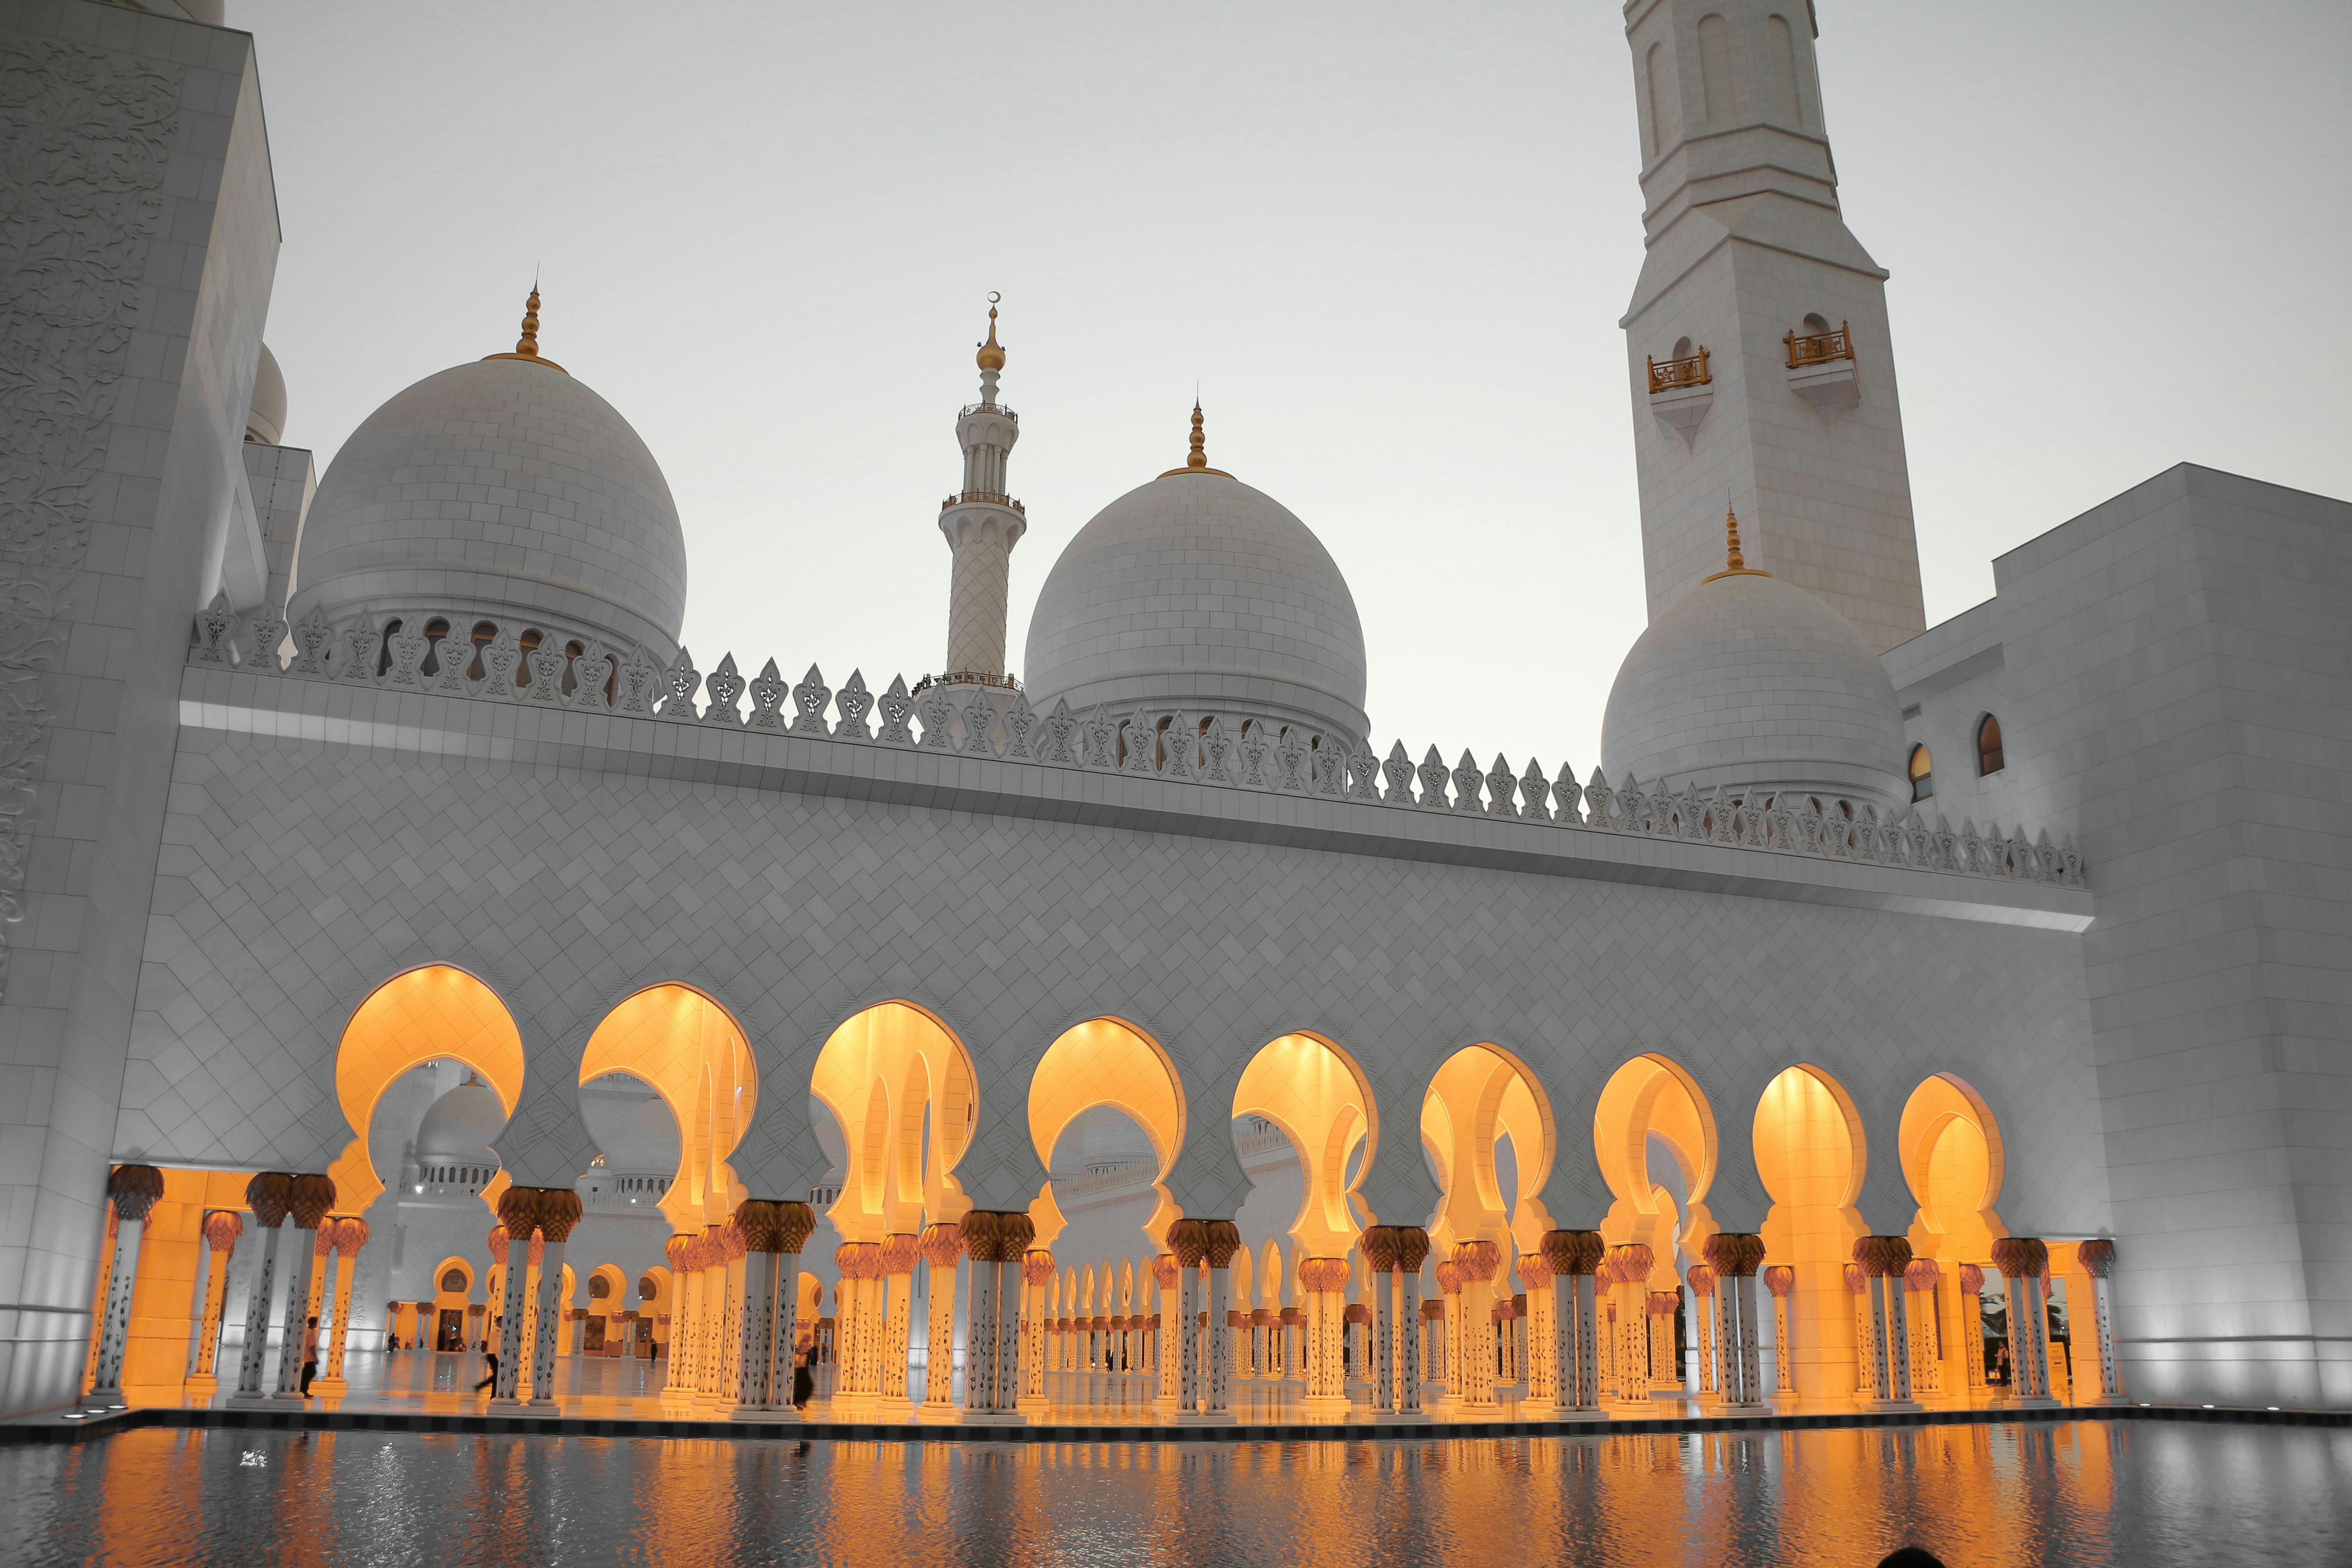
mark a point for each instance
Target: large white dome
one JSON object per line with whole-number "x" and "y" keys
{"x": 1749, "y": 682}
{"x": 461, "y": 1123}
{"x": 1197, "y": 591}
{"x": 506, "y": 490}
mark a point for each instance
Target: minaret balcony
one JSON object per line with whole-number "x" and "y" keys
{"x": 1689, "y": 371}
{"x": 1819, "y": 348}
{"x": 1822, "y": 370}
{"x": 1681, "y": 391}
{"x": 983, "y": 498}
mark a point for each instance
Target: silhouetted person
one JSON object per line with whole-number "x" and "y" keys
{"x": 310, "y": 1355}
{"x": 490, "y": 1382}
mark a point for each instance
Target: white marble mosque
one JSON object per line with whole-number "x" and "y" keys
{"x": 1890, "y": 1015}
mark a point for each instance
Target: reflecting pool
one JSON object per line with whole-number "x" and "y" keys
{"x": 2075, "y": 1492}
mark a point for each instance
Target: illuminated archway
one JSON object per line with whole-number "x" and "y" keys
{"x": 1652, "y": 1105}
{"x": 900, "y": 1088}
{"x": 437, "y": 1013}
{"x": 1319, "y": 1098}
{"x": 1106, "y": 1062}
{"x": 686, "y": 1047}
{"x": 608, "y": 1295}
{"x": 1478, "y": 1098}
{"x": 1952, "y": 1160}
{"x": 1811, "y": 1155}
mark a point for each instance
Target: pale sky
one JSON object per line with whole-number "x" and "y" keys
{"x": 1390, "y": 243}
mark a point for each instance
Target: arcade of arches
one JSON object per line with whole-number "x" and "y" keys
{"x": 916, "y": 1305}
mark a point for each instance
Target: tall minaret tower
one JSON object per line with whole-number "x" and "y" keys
{"x": 1763, "y": 375}
{"x": 983, "y": 523}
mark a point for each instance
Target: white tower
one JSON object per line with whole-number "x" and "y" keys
{"x": 1763, "y": 379}
{"x": 983, "y": 523}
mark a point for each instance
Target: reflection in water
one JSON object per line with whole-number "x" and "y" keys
{"x": 2072, "y": 1492}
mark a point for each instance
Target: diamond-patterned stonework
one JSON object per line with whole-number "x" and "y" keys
{"x": 569, "y": 859}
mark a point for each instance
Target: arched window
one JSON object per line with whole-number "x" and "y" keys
{"x": 1715, "y": 66}
{"x": 1815, "y": 324}
{"x": 1989, "y": 757}
{"x": 1781, "y": 67}
{"x": 1923, "y": 776}
{"x": 1655, "y": 68}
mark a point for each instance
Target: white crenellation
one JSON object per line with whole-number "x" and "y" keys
{"x": 1177, "y": 747}
{"x": 768, "y": 694}
{"x": 896, "y": 705}
{"x": 724, "y": 685}
{"x": 852, "y": 703}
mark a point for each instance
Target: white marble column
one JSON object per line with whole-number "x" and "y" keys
{"x": 134, "y": 1190}
{"x": 309, "y": 1198}
{"x": 557, "y": 1212}
{"x": 270, "y": 1194}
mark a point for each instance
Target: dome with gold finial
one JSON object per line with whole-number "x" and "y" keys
{"x": 1751, "y": 683}
{"x": 502, "y": 489}
{"x": 1198, "y": 592}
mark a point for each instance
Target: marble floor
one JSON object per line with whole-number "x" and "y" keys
{"x": 597, "y": 1387}
{"x": 2062, "y": 1494}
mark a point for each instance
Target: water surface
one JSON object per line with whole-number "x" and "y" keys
{"x": 2063, "y": 1494}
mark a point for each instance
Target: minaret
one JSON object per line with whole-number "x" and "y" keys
{"x": 983, "y": 523}
{"x": 1762, "y": 371}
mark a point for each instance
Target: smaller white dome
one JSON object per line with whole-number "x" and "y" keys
{"x": 1749, "y": 682}
{"x": 461, "y": 1123}
{"x": 266, "y": 421}
{"x": 1198, "y": 592}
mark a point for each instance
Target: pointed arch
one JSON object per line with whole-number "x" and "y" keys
{"x": 1320, "y": 1098}
{"x": 689, "y": 1050}
{"x": 1479, "y": 1096}
{"x": 436, "y": 1012}
{"x": 868, "y": 1076}
{"x": 1654, "y": 1100}
{"x": 1954, "y": 1164}
{"x": 1812, "y": 1156}
{"x": 1106, "y": 1061}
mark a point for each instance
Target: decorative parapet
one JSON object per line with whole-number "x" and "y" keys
{"x": 1689, "y": 371}
{"x": 1818, "y": 348}
{"x": 1202, "y": 750}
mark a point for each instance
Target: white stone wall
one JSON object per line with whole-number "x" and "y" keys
{"x": 132, "y": 146}
{"x": 2171, "y": 677}
{"x": 569, "y": 859}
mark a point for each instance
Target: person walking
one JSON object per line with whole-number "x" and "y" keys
{"x": 490, "y": 1380}
{"x": 310, "y": 1355}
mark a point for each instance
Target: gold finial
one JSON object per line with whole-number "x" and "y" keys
{"x": 1734, "y": 563}
{"x": 1197, "y": 461}
{"x": 992, "y": 357}
{"x": 527, "y": 346}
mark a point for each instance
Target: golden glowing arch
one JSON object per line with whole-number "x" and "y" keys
{"x": 887, "y": 1073}
{"x": 1811, "y": 1155}
{"x": 1953, "y": 1163}
{"x": 689, "y": 1050}
{"x": 435, "y": 1013}
{"x": 1480, "y": 1095}
{"x": 1106, "y": 1061}
{"x": 1653, "y": 1096}
{"x": 1320, "y": 1099}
